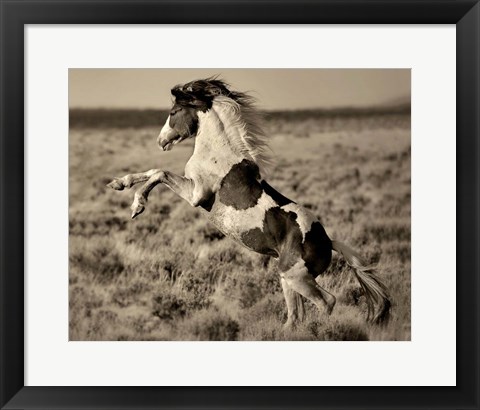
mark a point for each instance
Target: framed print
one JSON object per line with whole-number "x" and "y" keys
{"x": 198, "y": 285}
{"x": 141, "y": 298}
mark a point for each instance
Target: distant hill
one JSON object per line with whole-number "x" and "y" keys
{"x": 115, "y": 118}
{"x": 398, "y": 102}
{"x": 131, "y": 118}
{"x": 317, "y": 113}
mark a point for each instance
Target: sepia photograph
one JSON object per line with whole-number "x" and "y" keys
{"x": 239, "y": 204}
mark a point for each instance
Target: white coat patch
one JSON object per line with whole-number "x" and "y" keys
{"x": 234, "y": 222}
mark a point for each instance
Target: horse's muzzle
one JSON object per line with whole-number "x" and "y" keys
{"x": 165, "y": 145}
{"x": 167, "y": 137}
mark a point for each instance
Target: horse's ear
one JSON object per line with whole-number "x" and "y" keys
{"x": 175, "y": 91}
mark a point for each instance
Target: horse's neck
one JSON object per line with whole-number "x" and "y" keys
{"x": 216, "y": 151}
{"x": 216, "y": 144}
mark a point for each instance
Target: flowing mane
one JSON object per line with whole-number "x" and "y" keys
{"x": 245, "y": 117}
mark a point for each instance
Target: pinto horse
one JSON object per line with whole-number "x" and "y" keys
{"x": 223, "y": 178}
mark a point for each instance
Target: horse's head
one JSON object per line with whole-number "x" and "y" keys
{"x": 190, "y": 99}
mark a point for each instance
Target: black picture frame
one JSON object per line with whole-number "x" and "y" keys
{"x": 15, "y": 14}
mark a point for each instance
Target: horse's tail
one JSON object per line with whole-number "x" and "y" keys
{"x": 375, "y": 291}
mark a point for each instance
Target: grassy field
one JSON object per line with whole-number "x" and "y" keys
{"x": 169, "y": 275}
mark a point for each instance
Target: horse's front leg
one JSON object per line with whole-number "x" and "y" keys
{"x": 129, "y": 180}
{"x": 183, "y": 187}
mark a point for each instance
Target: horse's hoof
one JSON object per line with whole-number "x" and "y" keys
{"x": 137, "y": 207}
{"x": 116, "y": 184}
{"x": 137, "y": 211}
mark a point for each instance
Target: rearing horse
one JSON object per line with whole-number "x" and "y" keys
{"x": 223, "y": 177}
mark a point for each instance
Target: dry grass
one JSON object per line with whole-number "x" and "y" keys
{"x": 169, "y": 275}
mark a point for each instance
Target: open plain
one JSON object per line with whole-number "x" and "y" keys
{"x": 169, "y": 275}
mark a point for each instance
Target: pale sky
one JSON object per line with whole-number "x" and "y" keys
{"x": 274, "y": 88}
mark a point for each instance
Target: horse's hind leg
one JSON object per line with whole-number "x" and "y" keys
{"x": 129, "y": 180}
{"x": 298, "y": 279}
{"x": 295, "y": 308}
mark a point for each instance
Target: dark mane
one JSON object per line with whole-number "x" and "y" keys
{"x": 205, "y": 90}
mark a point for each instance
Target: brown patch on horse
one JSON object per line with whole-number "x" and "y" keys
{"x": 280, "y": 232}
{"x": 317, "y": 250}
{"x": 240, "y": 188}
{"x": 257, "y": 241}
{"x": 184, "y": 120}
{"x": 281, "y": 237}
